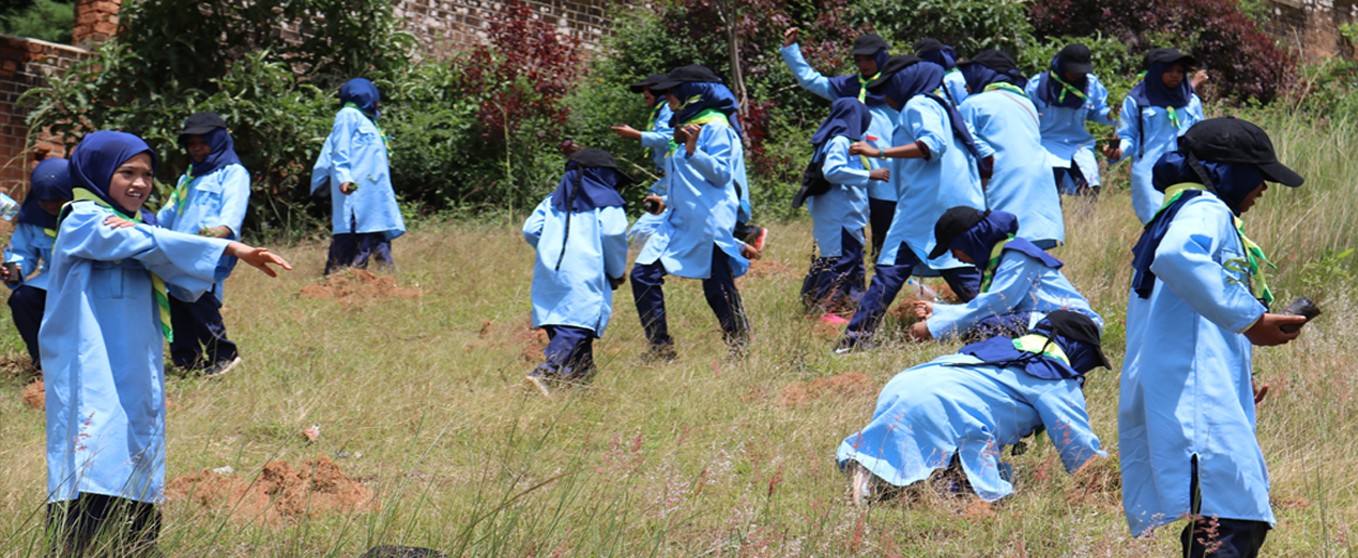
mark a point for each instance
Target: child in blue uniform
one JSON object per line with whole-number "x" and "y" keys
{"x": 835, "y": 282}
{"x": 1186, "y": 410}
{"x": 30, "y": 250}
{"x": 656, "y": 138}
{"x": 209, "y": 200}
{"x": 1006, "y": 126}
{"x": 352, "y": 169}
{"x": 933, "y": 168}
{"x": 1066, "y": 96}
{"x": 870, "y": 53}
{"x": 107, "y": 297}
{"x": 1159, "y": 109}
{"x": 1020, "y": 284}
{"x": 580, "y": 234}
{"x": 697, "y": 240}
{"x": 962, "y": 410}
{"x": 954, "y": 85}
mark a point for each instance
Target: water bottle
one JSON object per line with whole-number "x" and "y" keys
{"x": 8, "y": 207}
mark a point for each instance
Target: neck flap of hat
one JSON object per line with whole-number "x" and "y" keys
{"x": 848, "y": 118}
{"x": 697, "y": 96}
{"x": 223, "y": 153}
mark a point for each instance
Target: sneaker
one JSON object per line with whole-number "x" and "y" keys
{"x": 539, "y": 381}
{"x": 220, "y": 367}
{"x": 756, "y": 238}
{"x": 852, "y": 344}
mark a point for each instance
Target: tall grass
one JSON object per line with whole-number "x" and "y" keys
{"x": 703, "y": 456}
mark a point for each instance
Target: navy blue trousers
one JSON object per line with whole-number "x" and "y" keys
{"x": 838, "y": 282}
{"x": 1211, "y": 537}
{"x": 719, "y": 289}
{"x": 26, "y": 305}
{"x": 199, "y": 334}
{"x": 355, "y": 249}
{"x": 880, "y": 214}
{"x": 887, "y": 283}
{"x": 115, "y": 526}
{"x": 569, "y": 352}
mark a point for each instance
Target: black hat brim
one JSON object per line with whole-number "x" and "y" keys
{"x": 1279, "y": 173}
{"x": 1078, "y": 67}
{"x": 939, "y": 250}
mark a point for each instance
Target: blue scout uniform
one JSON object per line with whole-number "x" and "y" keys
{"x": 954, "y": 84}
{"x": 30, "y": 249}
{"x": 1006, "y": 126}
{"x": 365, "y": 221}
{"x": 1146, "y": 133}
{"x": 1022, "y": 285}
{"x": 838, "y": 216}
{"x": 656, "y": 138}
{"x": 1063, "y": 129}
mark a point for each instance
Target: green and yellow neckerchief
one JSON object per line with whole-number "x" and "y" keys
{"x": 1041, "y": 345}
{"x": 1067, "y": 88}
{"x": 1254, "y": 254}
{"x": 370, "y": 119}
{"x": 863, "y": 86}
{"x": 988, "y": 274}
{"x": 707, "y": 116}
{"x": 1006, "y": 86}
{"x": 1173, "y": 114}
{"x": 158, "y": 289}
{"x": 655, "y": 112}
{"x": 180, "y": 195}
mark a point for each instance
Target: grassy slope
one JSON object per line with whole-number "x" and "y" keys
{"x": 702, "y": 456}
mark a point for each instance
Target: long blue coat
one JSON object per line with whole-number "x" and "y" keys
{"x": 1186, "y": 388}
{"x": 356, "y": 152}
{"x": 657, "y": 139}
{"x": 577, "y": 294}
{"x": 1063, "y": 128}
{"x": 1022, "y": 283}
{"x": 217, "y": 199}
{"x": 845, "y": 206}
{"x": 1006, "y": 126}
{"x": 929, "y": 413}
{"x": 102, "y": 352}
{"x": 1147, "y": 133}
{"x": 31, "y": 247}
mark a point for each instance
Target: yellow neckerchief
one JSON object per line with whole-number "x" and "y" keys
{"x": 863, "y": 86}
{"x": 370, "y": 119}
{"x": 158, "y": 288}
{"x": 1067, "y": 88}
{"x": 707, "y": 116}
{"x": 655, "y": 113}
{"x": 1254, "y": 254}
{"x": 1041, "y": 345}
{"x": 50, "y": 232}
{"x": 181, "y": 192}
{"x": 988, "y": 274}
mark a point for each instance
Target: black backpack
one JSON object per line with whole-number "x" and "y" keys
{"x": 813, "y": 181}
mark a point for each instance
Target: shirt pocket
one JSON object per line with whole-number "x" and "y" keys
{"x": 208, "y": 194}
{"x": 106, "y": 279}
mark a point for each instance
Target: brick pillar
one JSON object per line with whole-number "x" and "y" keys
{"x": 95, "y": 21}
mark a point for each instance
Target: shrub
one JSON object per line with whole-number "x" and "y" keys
{"x": 969, "y": 25}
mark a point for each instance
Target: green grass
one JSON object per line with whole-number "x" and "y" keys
{"x": 702, "y": 456}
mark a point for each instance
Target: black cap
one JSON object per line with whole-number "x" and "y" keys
{"x": 893, "y": 65}
{"x": 200, "y": 123}
{"x": 869, "y": 44}
{"x": 595, "y": 157}
{"x": 928, "y": 44}
{"x": 1076, "y": 58}
{"x": 648, "y": 83}
{"x": 1232, "y": 140}
{"x": 994, "y": 59}
{"x": 954, "y": 222}
{"x": 685, "y": 74}
{"x": 1168, "y": 56}
{"x": 1079, "y": 328}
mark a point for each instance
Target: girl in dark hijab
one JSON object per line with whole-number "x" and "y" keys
{"x": 1066, "y": 96}
{"x": 933, "y": 50}
{"x": 30, "y": 250}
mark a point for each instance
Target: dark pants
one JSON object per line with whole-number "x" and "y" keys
{"x": 103, "y": 526}
{"x": 199, "y": 334}
{"x": 354, "y": 250}
{"x": 880, "y": 214}
{"x": 1218, "y": 537}
{"x": 836, "y": 283}
{"x": 719, "y": 289}
{"x": 1079, "y": 184}
{"x": 887, "y": 283}
{"x": 743, "y": 231}
{"x": 26, "y": 305}
{"x": 569, "y": 352}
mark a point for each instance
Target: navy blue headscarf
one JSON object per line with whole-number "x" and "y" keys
{"x": 697, "y": 96}
{"x": 1232, "y": 182}
{"x": 51, "y": 181}
{"x": 591, "y": 181}
{"x": 848, "y": 85}
{"x": 363, "y": 94}
{"x": 920, "y": 77}
{"x": 1151, "y": 90}
{"x": 990, "y": 66}
{"x": 1049, "y": 89}
{"x": 848, "y": 118}
{"x": 996, "y": 226}
{"x": 1074, "y": 333}
{"x": 98, "y": 156}
{"x": 223, "y": 152}
{"x": 933, "y": 50}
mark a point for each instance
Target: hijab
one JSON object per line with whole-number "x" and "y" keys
{"x": 907, "y": 76}
{"x": 1151, "y": 90}
{"x": 849, "y": 85}
{"x": 1076, "y": 335}
{"x": 848, "y": 118}
{"x": 363, "y": 94}
{"x": 978, "y": 242}
{"x": 990, "y": 66}
{"x": 591, "y": 181}
{"x": 933, "y": 50}
{"x": 98, "y": 156}
{"x": 51, "y": 181}
{"x": 1050, "y": 88}
{"x": 223, "y": 152}
{"x": 698, "y": 96}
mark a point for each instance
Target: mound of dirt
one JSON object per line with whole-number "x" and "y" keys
{"x": 353, "y": 286}
{"x": 35, "y": 396}
{"x": 769, "y": 268}
{"x": 281, "y": 492}
{"x": 843, "y": 386}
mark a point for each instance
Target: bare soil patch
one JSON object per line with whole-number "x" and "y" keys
{"x": 353, "y": 287}
{"x": 280, "y": 493}
{"x": 840, "y": 386}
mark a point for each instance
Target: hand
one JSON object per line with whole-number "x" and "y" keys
{"x": 689, "y": 134}
{"x": 790, "y": 36}
{"x": 348, "y": 188}
{"x": 258, "y": 257}
{"x": 5, "y": 274}
{"x": 658, "y": 203}
{"x": 919, "y": 331}
{"x": 614, "y": 283}
{"x": 864, "y": 148}
{"x": 880, "y": 175}
{"x": 1267, "y": 331}
{"x": 750, "y": 252}
{"x": 221, "y": 231}
{"x": 626, "y": 132}
{"x": 1199, "y": 77}
{"x": 118, "y": 222}
{"x": 1112, "y": 153}
{"x": 922, "y": 309}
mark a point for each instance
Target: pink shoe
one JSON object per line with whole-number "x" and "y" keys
{"x": 833, "y": 319}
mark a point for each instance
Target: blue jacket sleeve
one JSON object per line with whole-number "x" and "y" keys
{"x": 807, "y": 77}
{"x": 1187, "y": 263}
{"x": 928, "y": 123}
{"x": 839, "y": 168}
{"x": 613, "y": 229}
{"x": 1015, "y": 277}
{"x": 1099, "y": 111}
{"x": 660, "y": 133}
{"x": 978, "y": 122}
{"x": 341, "y": 146}
{"x": 713, "y": 156}
{"x": 1063, "y": 413}
{"x": 532, "y": 227}
{"x": 21, "y": 249}
{"x": 235, "y": 198}
{"x": 1129, "y": 126}
{"x": 183, "y": 260}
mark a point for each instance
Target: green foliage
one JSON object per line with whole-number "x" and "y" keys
{"x": 1328, "y": 275}
{"x": 967, "y": 25}
{"x": 49, "y": 20}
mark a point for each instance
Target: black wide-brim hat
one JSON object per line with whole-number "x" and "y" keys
{"x": 686, "y": 74}
{"x": 1168, "y": 56}
{"x": 953, "y": 223}
{"x": 869, "y": 44}
{"x": 200, "y": 123}
{"x": 893, "y": 65}
{"x": 648, "y": 83}
{"x": 595, "y": 157}
{"x": 1232, "y": 140}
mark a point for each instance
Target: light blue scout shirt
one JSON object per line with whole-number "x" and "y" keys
{"x": 657, "y": 139}
{"x": 103, "y": 350}
{"x": 845, "y": 206}
{"x": 31, "y": 247}
{"x": 577, "y": 294}
{"x": 883, "y": 116}
{"x": 1022, "y": 283}
{"x": 955, "y": 87}
{"x": 1186, "y": 386}
{"x": 930, "y": 412}
{"x": 356, "y": 152}
{"x": 928, "y": 187}
{"x": 1063, "y": 128}
{"x": 218, "y": 199}
{"x": 1005, "y": 125}
{"x": 703, "y": 204}
{"x": 1147, "y": 133}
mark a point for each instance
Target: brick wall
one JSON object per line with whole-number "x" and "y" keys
{"x": 25, "y": 63}
{"x": 1311, "y": 27}
{"x": 447, "y": 26}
